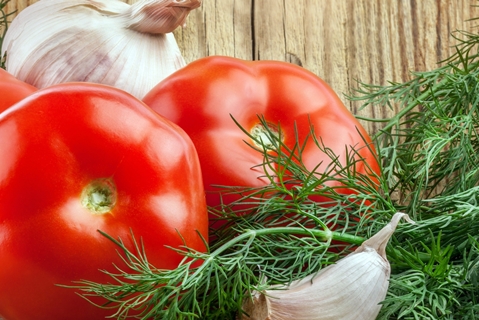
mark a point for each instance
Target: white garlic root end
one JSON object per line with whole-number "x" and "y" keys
{"x": 350, "y": 289}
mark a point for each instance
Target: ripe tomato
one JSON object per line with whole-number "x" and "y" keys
{"x": 203, "y": 96}
{"x": 77, "y": 158}
{"x": 12, "y": 90}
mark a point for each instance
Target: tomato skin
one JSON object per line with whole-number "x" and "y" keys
{"x": 202, "y": 97}
{"x": 12, "y": 90}
{"x": 54, "y": 143}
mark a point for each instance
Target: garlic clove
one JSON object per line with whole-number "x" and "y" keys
{"x": 352, "y": 288}
{"x": 100, "y": 41}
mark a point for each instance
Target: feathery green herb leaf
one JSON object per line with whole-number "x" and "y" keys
{"x": 429, "y": 153}
{"x": 4, "y": 20}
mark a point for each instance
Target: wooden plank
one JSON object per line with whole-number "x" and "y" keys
{"x": 218, "y": 27}
{"x": 342, "y": 41}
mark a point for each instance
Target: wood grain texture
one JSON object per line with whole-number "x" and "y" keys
{"x": 342, "y": 41}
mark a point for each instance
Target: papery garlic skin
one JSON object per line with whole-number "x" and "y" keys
{"x": 145, "y": 14}
{"x": 130, "y": 47}
{"x": 350, "y": 289}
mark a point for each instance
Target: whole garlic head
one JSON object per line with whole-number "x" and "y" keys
{"x": 127, "y": 46}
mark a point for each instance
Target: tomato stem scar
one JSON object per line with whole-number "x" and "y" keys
{"x": 99, "y": 196}
{"x": 262, "y": 137}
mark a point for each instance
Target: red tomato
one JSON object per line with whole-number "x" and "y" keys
{"x": 77, "y": 158}
{"x": 12, "y": 90}
{"x": 202, "y": 97}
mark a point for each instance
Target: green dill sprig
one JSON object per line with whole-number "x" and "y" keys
{"x": 429, "y": 151}
{"x": 213, "y": 290}
{"x": 440, "y": 281}
{"x": 4, "y": 21}
{"x": 431, "y": 145}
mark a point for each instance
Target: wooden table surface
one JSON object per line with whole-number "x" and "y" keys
{"x": 342, "y": 41}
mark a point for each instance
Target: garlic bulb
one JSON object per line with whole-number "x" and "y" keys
{"x": 127, "y": 46}
{"x": 352, "y": 288}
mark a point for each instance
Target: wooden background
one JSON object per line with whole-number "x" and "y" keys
{"x": 342, "y": 41}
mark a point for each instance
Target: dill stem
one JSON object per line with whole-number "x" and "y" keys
{"x": 251, "y": 234}
{"x": 321, "y": 234}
